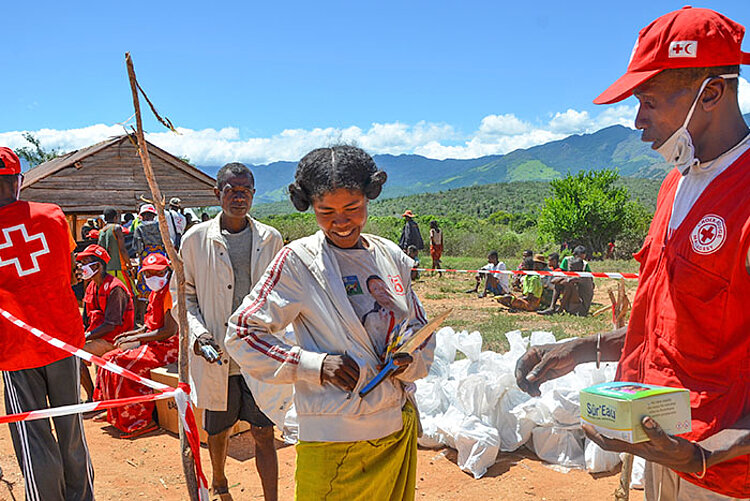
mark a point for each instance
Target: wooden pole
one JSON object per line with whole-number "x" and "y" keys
{"x": 188, "y": 465}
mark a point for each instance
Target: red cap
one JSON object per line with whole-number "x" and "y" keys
{"x": 9, "y": 162}
{"x": 96, "y": 251}
{"x": 154, "y": 262}
{"x": 685, "y": 38}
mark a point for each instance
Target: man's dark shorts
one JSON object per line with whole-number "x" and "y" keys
{"x": 240, "y": 405}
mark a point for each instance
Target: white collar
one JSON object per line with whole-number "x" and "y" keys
{"x": 702, "y": 168}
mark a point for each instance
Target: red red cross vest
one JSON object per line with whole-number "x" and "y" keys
{"x": 155, "y": 312}
{"x": 96, "y": 299}
{"x": 35, "y": 269}
{"x": 690, "y": 323}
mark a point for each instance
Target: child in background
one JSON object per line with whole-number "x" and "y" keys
{"x": 413, "y": 253}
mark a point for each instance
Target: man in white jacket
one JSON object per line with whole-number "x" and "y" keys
{"x": 224, "y": 258}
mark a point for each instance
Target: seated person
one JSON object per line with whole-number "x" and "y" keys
{"x": 413, "y": 253}
{"x": 154, "y": 345}
{"x": 580, "y": 253}
{"x": 107, "y": 307}
{"x": 531, "y": 291}
{"x": 575, "y": 293}
{"x": 553, "y": 261}
{"x": 494, "y": 283}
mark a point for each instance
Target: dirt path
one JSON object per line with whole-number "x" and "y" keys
{"x": 149, "y": 467}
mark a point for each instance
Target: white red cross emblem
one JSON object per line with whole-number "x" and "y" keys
{"x": 683, "y": 48}
{"x": 21, "y": 250}
{"x": 709, "y": 234}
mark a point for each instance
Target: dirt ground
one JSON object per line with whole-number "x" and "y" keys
{"x": 149, "y": 467}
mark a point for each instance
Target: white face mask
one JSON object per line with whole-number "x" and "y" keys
{"x": 678, "y": 149}
{"x": 157, "y": 283}
{"x": 88, "y": 271}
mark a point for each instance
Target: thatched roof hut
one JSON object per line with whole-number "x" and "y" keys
{"x": 109, "y": 174}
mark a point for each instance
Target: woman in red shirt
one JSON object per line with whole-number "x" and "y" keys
{"x": 154, "y": 345}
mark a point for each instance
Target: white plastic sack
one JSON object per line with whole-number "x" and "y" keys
{"x": 598, "y": 460}
{"x": 477, "y": 446}
{"x": 469, "y": 344}
{"x": 559, "y": 446}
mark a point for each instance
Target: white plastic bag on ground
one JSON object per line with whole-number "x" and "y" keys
{"x": 477, "y": 445}
{"x": 559, "y": 446}
{"x": 469, "y": 344}
{"x": 598, "y": 460}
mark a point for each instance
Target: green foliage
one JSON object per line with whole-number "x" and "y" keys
{"x": 35, "y": 154}
{"x": 590, "y": 209}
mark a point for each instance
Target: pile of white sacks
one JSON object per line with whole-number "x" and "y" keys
{"x": 473, "y": 405}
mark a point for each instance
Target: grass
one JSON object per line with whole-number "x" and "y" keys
{"x": 493, "y": 322}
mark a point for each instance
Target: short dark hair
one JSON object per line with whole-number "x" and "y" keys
{"x": 528, "y": 252}
{"x": 687, "y": 76}
{"x": 110, "y": 214}
{"x": 434, "y": 224}
{"x": 554, "y": 255}
{"x": 579, "y": 251}
{"x": 528, "y": 263}
{"x": 233, "y": 169}
{"x": 129, "y": 216}
{"x": 327, "y": 169}
{"x": 412, "y": 248}
{"x": 493, "y": 254}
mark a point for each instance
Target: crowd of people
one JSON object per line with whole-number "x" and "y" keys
{"x": 348, "y": 296}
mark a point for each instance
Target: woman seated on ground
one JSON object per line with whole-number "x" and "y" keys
{"x": 154, "y": 345}
{"x": 350, "y": 447}
{"x": 531, "y": 290}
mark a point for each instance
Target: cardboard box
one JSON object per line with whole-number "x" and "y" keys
{"x": 167, "y": 408}
{"x": 616, "y": 409}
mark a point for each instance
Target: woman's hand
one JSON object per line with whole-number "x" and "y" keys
{"x": 125, "y": 339}
{"x": 402, "y": 361}
{"x": 341, "y": 371}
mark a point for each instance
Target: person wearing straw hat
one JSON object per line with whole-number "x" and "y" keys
{"x": 35, "y": 286}
{"x": 410, "y": 234}
{"x": 154, "y": 345}
{"x": 690, "y": 321}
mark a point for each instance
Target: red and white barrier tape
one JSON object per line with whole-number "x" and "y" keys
{"x": 541, "y": 273}
{"x": 180, "y": 394}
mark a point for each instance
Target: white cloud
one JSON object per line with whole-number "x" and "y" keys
{"x": 744, "y": 95}
{"x": 495, "y": 134}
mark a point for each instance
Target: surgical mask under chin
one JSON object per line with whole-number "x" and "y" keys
{"x": 157, "y": 283}
{"x": 678, "y": 149}
{"x": 88, "y": 271}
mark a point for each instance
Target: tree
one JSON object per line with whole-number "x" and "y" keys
{"x": 36, "y": 155}
{"x": 589, "y": 209}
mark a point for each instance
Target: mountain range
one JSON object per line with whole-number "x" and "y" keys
{"x": 614, "y": 146}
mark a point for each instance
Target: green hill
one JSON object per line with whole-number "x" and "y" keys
{"x": 476, "y": 201}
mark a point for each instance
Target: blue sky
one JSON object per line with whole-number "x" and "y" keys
{"x": 259, "y": 82}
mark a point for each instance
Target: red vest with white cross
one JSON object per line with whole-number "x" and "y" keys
{"x": 35, "y": 268}
{"x": 690, "y": 324}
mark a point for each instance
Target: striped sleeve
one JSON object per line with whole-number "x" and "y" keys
{"x": 274, "y": 303}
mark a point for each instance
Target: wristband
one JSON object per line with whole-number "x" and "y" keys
{"x": 703, "y": 457}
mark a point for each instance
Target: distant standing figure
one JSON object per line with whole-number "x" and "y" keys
{"x": 610, "y": 250}
{"x": 410, "y": 235}
{"x": 413, "y": 253}
{"x": 436, "y": 245}
{"x": 112, "y": 239}
{"x": 176, "y": 222}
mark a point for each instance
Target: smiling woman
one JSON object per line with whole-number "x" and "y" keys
{"x": 348, "y": 295}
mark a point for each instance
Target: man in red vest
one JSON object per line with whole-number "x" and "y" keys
{"x": 108, "y": 307}
{"x": 35, "y": 286}
{"x": 690, "y": 323}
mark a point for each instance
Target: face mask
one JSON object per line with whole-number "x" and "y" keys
{"x": 157, "y": 283}
{"x": 678, "y": 150}
{"x": 88, "y": 271}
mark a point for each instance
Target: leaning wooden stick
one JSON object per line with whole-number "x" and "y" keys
{"x": 188, "y": 466}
